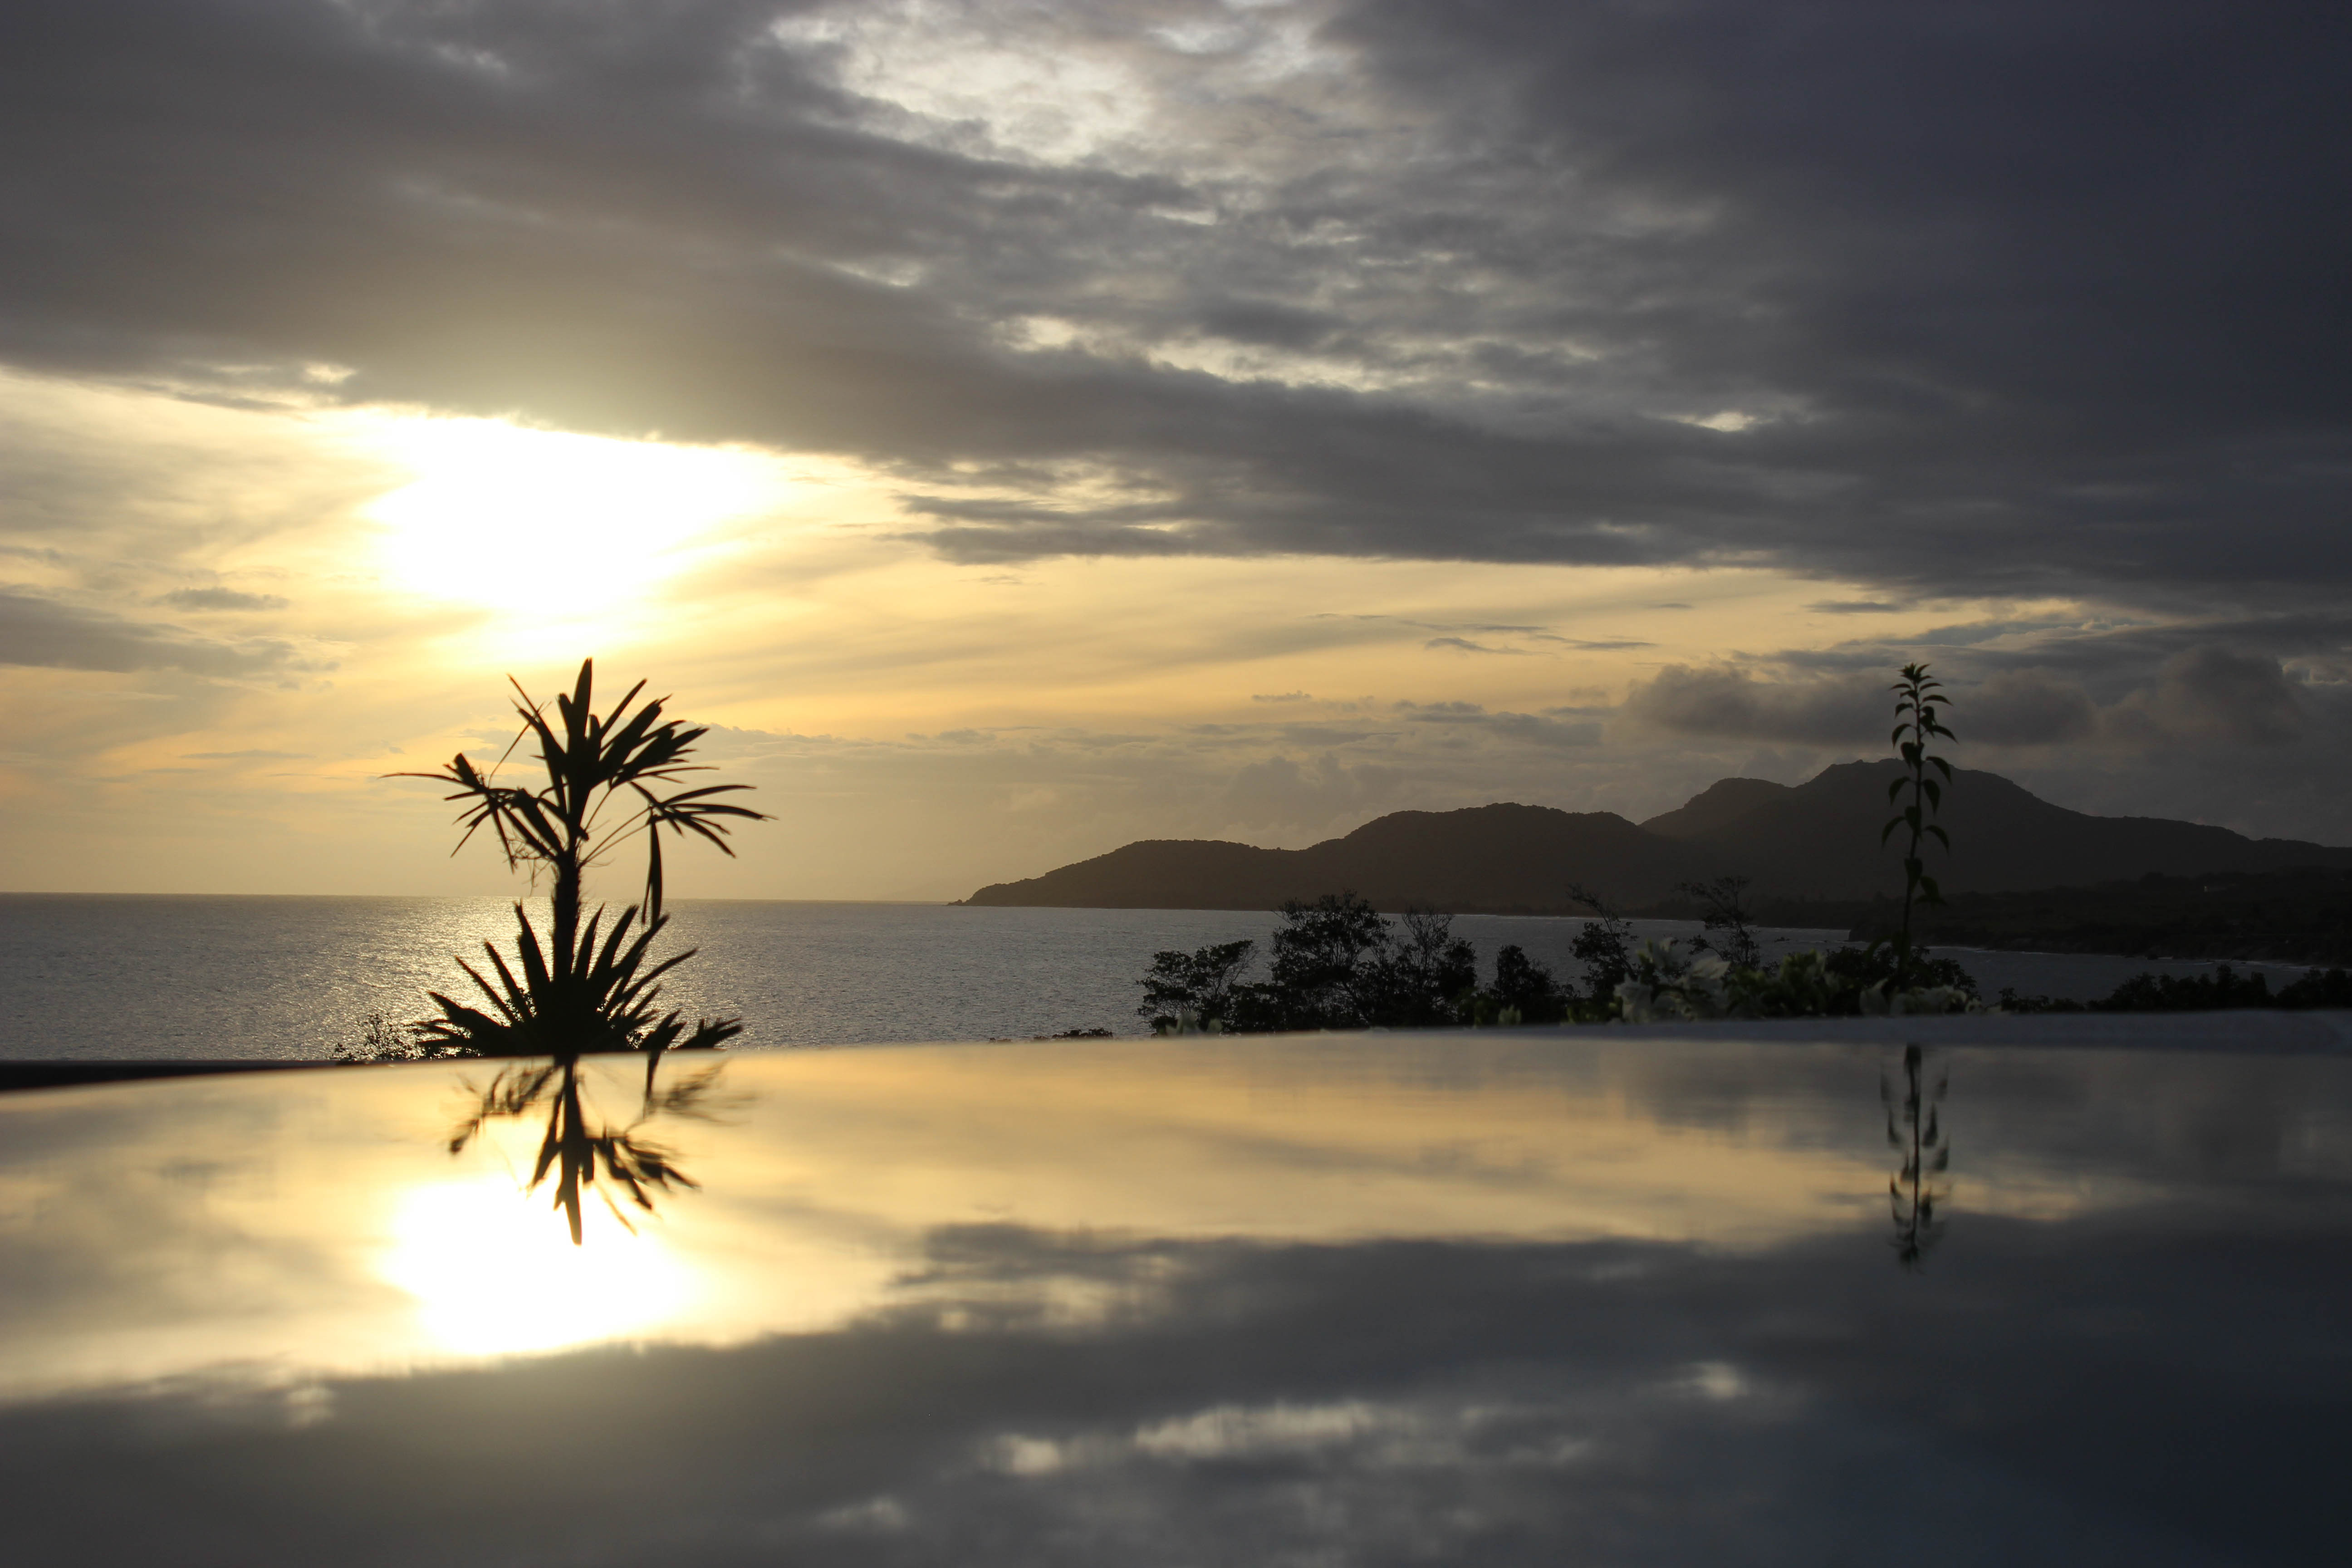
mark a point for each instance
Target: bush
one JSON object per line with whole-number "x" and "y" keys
{"x": 382, "y": 1039}
{"x": 1334, "y": 963}
{"x": 2225, "y": 988}
{"x": 1669, "y": 984}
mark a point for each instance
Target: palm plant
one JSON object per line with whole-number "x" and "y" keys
{"x": 609, "y": 780}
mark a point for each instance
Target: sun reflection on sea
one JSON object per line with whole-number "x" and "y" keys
{"x": 494, "y": 1273}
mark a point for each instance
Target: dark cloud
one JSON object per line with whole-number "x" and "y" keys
{"x": 51, "y": 634}
{"x": 2030, "y": 708}
{"x": 221, "y": 599}
{"x": 2212, "y": 733}
{"x": 1734, "y": 704}
{"x": 1527, "y": 729}
{"x": 1465, "y": 645}
{"x": 2212, "y": 694}
{"x": 2204, "y": 694}
{"x": 2015, "y": 298}
{"x": 1279, "y": 792}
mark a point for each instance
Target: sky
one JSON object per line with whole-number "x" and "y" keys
{"x": 1017, "y": 429}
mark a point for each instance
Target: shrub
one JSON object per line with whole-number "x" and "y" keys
{"x": 1335, "y": 962}
{"x": 1197, "y": 986}
{"x": 1605, "y": 948}
{"x": 1723, "y": 909}
{"x": 1670, "y": 985}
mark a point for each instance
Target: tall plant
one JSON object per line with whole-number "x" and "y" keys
{"x": 610, "y": 779}
{"x": 1916, "y": 699}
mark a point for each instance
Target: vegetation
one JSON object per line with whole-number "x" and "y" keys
{"x": 1670, "y": 985}
{"x": 588, "y": 986}
{"x": 1722, "y": 909}
{"x": 1338, "y": 963}
{"x": 380, "y": 1038}
{"x": 2225, "y": 988}
{"x": 1916, "y": 723}
{"x": 1605, "y": 948}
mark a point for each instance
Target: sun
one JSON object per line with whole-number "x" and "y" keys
{"x": 553, "y": 525}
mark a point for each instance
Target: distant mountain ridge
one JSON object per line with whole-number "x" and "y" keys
{"x": 1818, "y": 839}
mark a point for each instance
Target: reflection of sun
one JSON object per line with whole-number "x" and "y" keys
{"x": 548, "y": 524}
{"x": 495, "y": 1272}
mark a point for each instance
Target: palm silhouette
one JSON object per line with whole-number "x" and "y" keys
{"x": 609, "y": 780}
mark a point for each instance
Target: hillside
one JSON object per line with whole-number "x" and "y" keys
{"x": 1819, "y": 838}
{"x": 1815, "y": 840}
{"x": 1500, "y": 859}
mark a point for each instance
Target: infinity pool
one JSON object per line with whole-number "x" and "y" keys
{"x": 1495, "y": 1298}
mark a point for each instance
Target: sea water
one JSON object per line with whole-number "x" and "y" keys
{"x": 226, "y": 977}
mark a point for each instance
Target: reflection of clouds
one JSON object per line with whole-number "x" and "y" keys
{"x": 1370, "y": 1402}
{"x": 153, "y": 1232}
{"x": 1372, "y": 1300}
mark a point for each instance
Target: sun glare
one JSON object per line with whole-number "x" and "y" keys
{"x": 549, "y": 524}
{"x": 494, "y": 1271}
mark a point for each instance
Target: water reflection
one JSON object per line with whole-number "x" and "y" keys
{"x": 576, "y": 1147}
{"x": 1914, "y": 1126}
{"x": 1372, "y": 1299}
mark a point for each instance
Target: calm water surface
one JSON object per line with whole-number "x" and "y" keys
{"x": 239, "y": 977}
{"x": 1516, "y": 1298}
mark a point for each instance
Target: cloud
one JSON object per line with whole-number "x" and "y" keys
{"x": 1734, "y": 704}
{"x": 2212, "y": 695}
{"x": 1525, "y": 729}
{"x": 1465, "y": 645}
{"x": 221, "y": 599}
{"x": 1278, "y": 791}
{"x": 51, "y": 634}
{"x": 2206, "y": 698}
{"x": 2037, "y": 305}
{"x": 2029, "y": 707}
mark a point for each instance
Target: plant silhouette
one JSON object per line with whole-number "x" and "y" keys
{"x": 609, "y": 779}
{"x": 1914, "y": 1127}
{"x": 574, "y": 1150}
{"x": 1724, "y": 908}
{"x": 1917, "y": 722}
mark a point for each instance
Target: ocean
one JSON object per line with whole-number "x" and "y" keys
{"x": 99, "y": 976}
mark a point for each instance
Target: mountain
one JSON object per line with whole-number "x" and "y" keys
{"x": 1502, "y": 859}
{"x": 1818, "y": 839}
{"x": 1821, "y": 839}
{"x": 1720, "y": 803}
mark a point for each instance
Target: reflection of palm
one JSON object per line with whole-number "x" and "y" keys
{"x": 1912, "y": 1193}
{"x": 575, "y": 1152}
